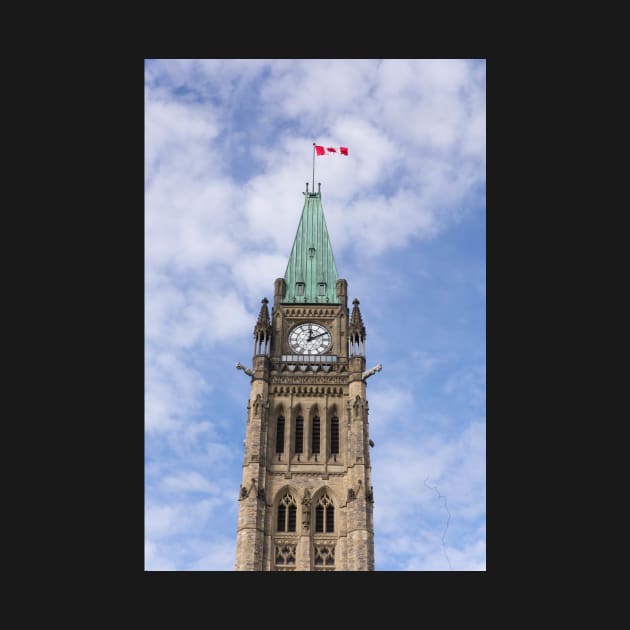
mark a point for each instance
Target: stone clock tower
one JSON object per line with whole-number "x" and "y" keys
{"x": 306, "y": 499}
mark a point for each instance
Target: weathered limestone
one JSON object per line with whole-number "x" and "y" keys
{"x": 344, "y": 477}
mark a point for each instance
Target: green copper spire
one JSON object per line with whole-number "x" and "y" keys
{"x": 311, "y": 274}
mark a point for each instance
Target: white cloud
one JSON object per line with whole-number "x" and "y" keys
{"x": 194, "y": 553}
{"x": 154, "y": 560}
{"x": 401, "y": 468}
{"x": 387, "y": 403}
{"x": 176, "y": 133}
{"x": 191, "y": 223}
{"x": 316, "y": 91}
{"x": 169, "y": 519}
{"x": 424, "y": 552}
{"x": 172, "y": 391}
{"x": 215, "y": 556}
{"x": 179, "y": 317}
{"x": 426, "y": 102}
{"x": 190, "y": 481}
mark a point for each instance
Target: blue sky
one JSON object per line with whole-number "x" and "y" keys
{"x": 228, "y": 150}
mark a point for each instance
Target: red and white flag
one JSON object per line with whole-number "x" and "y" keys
{"x": 320, "y": 150}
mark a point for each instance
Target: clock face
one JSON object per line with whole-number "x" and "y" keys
{"x": 310, "y": 339}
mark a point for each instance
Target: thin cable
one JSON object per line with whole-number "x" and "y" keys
{"x": 441, "y": 496}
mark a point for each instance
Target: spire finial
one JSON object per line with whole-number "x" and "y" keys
{"x": 356, "y": 332}
{"x": 307, "y": 188}
{"x": 263, "y": 316}
{"x": 319, "y": 188}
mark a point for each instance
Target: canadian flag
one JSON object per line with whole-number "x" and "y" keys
{"x": 320, "y": 150}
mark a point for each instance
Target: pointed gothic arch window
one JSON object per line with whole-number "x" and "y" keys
{"x": 334, "y": 435}
{"x": 325, "y": 515}
{"x": 280, "y": 435}
{"x": 299, "y": 434}
{"x": 315, "y": 433}
{"x": 287, "y": 510}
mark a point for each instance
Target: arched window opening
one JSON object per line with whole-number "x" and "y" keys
{"x": 299, "y": 434}
{"x": 287, "y": 510}
{"x": 330, "y": 519}
{"x": 282, "y": 517}
{"x": 280, "y": 435}
{"x": 325, "y": 515}
{"x": 315, "y": 435}
{"x": 334, "y": 436}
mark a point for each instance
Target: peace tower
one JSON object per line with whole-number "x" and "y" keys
{"x": 306, "y": 499}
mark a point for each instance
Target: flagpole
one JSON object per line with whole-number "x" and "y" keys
{"x": 313, "y": 167}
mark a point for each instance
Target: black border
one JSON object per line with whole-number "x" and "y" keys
{"x": 105, "y": 292}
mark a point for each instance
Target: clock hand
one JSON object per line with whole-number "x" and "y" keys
{"x": 315, "y": 336}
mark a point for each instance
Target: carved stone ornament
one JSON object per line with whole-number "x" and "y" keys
{"x": 306, "y": 509}
{"x": 369, "y": 495}
{"x": 377, "y": 368}
{"x": 358, "y": 489}
{"x": 245, "y": 492}
{"x": 240, "y": 366}
{"x": 257, "y": 405}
